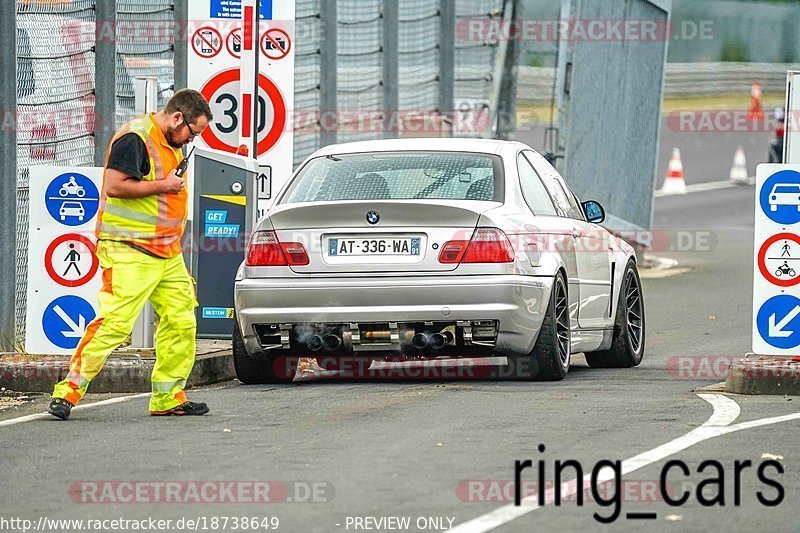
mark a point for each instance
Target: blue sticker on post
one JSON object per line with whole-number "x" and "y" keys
{"x": 217, "y": 313}
{"x": 216, "y": 217}
{"x": 232, "y": 9}
{"x": 222, "y": 231}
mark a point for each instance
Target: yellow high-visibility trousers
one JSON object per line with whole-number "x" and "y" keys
{"x": 130, "y": 279}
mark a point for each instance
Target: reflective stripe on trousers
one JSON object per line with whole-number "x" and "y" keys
{"x": 131, "y": 278}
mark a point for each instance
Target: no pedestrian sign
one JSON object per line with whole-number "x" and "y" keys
{"x": 776, "y": 281}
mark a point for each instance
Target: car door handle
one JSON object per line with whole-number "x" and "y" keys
{"x": 575, "y": 234}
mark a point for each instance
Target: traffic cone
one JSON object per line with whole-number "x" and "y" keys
{"x": 738, "y": 173}
{"x": 674, "y": 184}
{"x": 756, "y": 98}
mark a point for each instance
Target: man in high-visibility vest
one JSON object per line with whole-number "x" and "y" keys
{"x": 143, "y": 207}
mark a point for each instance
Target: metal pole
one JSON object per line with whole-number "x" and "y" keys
{"x": 8, "y": 177}
{"x": 105, "y": 62}
{"x": 447, "y": 59}
{"x": 391, "y": 67}
{"x": 499, "y": 71}
{"x": 146, "y": 101}
{"x": 507, "y": 109}
{"x": 181, "y": 44}
{"x": 328, "y": 76}
{"x": 257, "y": 74}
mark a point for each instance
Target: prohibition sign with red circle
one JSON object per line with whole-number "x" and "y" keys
{"x": 275, "y": 97}
{"x": 48, "y": 260}
{"x": 762, "y": 260}
{"x": 278, "y": 51}
{"x": 208, "y": 48}
{"x": 233, "y": 40}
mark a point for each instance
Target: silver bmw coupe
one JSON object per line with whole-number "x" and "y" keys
{"x": 434, "y": 249}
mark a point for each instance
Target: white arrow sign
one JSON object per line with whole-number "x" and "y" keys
{"x": 776, "y": 330}
{"x": 75, "y": 331}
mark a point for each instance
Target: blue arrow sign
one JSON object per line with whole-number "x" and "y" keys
{"x": 72, "y": 199}
{"x": 780, "y": 197}
{"x": 65, "y": 320}
{"x": 778, "y": 321}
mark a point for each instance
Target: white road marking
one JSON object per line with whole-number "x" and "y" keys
{"x": 702, "y": 187}
{"x": 726, "y": 411}
{"x": 40, "y": 416}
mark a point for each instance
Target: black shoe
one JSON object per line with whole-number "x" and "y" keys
{"x": 59, "y": 408}
{"x": 184, "y": 409}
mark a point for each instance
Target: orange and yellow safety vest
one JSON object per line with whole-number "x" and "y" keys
{"x": 153, "y": 223}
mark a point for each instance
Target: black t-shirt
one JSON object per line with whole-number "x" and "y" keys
{"x": 129, "y": 156}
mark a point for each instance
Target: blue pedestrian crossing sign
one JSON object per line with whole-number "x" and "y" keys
{"x": 65, "y": 320}
{"x": 72, "y": 199}
{"x": 779, "y": 197}
{"x": 778, "y": 321}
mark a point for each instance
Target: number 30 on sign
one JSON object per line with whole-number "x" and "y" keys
{"x": 222, "y": 92}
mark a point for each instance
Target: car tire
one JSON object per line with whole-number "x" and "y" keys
{"x": 549, "y": 360}
{"x": 552, "y": 348}
{"x": 259, "y": 369}
{"x": 627, "y": 345}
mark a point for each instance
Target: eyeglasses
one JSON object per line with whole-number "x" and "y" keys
{"x": 192, "y": 133}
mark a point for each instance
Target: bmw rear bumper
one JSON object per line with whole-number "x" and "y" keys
{"x": 516, "y": 303}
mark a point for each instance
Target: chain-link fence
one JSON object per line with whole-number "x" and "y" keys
{"x": 368, "y": 45}
{"x": 307, "y": 68}
{"x": 145, "y": 33}
{"x": 55, "y": 103}
{"x": 475, "y": 59}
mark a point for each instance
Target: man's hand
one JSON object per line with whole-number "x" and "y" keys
{"x": 173, "y": 184}
{"x": 119, "y": 185}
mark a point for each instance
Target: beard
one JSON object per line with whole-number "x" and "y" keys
{"x": 170, "y": 136}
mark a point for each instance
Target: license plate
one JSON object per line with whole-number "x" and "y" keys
{"x": 374, "y": 247}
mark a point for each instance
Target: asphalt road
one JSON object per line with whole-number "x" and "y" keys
{"x": 439, "y": 450}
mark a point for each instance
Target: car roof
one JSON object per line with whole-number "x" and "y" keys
{"x": 484, "y": 146}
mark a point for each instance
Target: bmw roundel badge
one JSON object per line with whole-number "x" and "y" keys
{"x": 373, "y": 217}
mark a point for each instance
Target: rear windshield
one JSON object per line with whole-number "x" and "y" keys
{"x": 399, "y": 176}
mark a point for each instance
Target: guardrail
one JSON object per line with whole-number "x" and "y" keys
{"x": 683, "y": 79}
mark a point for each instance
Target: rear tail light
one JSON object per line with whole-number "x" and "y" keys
{"x": 266, "y": 250}
{"x": 486, "y": 246}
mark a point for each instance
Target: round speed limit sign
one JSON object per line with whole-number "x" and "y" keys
{"x": 223, "y": 93}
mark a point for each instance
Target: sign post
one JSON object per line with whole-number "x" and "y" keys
{"x": 63, "y": 269}
{"x": 776, "y": 283}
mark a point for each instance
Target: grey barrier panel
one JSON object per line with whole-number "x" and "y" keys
{"x": 609, "y": 110}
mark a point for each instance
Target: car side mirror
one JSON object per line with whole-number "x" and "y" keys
{"x": 594, "y": 212}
